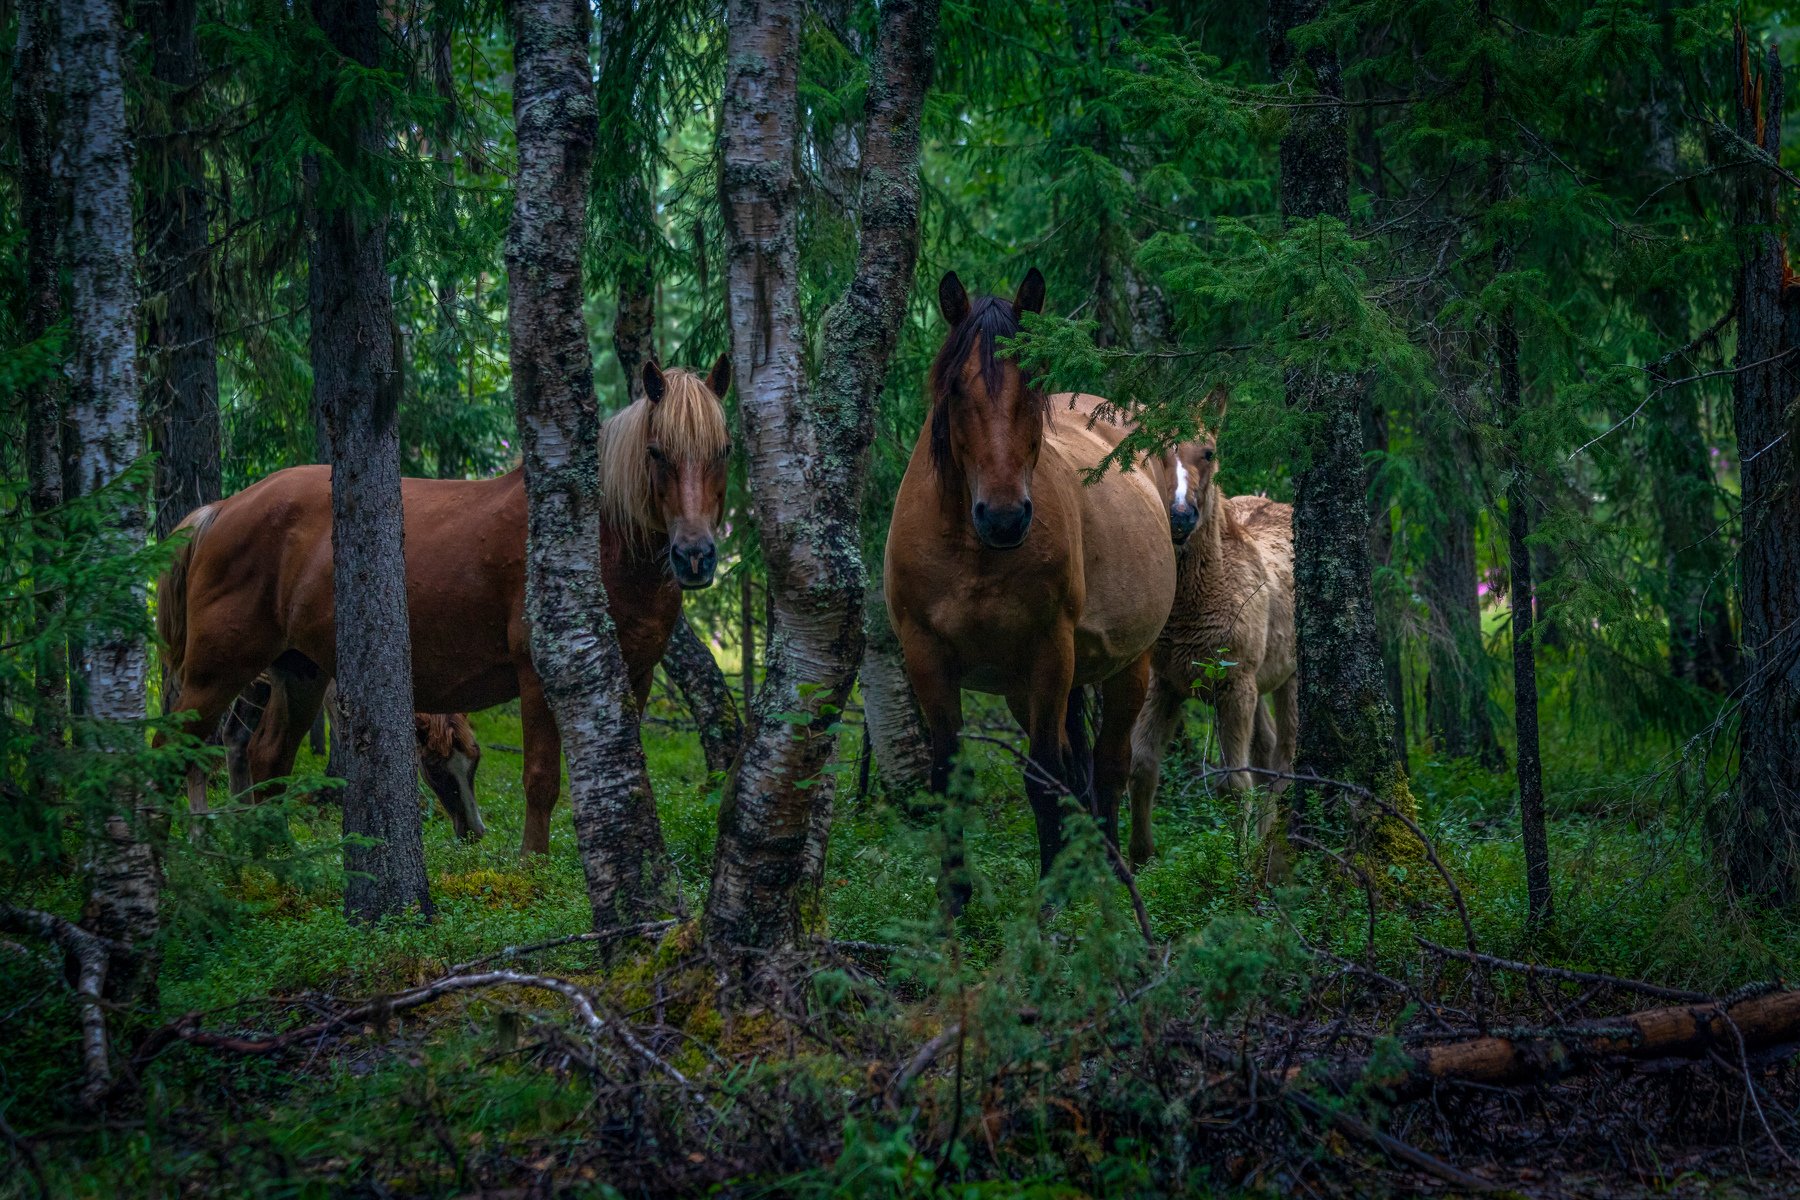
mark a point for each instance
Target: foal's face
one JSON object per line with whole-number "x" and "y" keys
{"x": 1188, "y": 488}
{"x": 996, "y": 421}
{"x": 688, "y": 493}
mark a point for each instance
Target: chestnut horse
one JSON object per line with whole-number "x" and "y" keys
{"x": 252, "y": 588}
{"x": 1006, "y": 574}
{"x": 448, "y": 753}
{"x": 1234, "y": 602}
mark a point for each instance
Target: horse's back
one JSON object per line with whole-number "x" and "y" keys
{"x": 1128, "y": 562}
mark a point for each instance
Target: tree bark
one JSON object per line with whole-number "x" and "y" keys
{"x": 1521, "y": 596}
{"x": 890, "y": 711}
{"x": 1762, "y": 837}
{"x": 42, "y": 395}
{"x": 573, "y": 643}
{"x": 1346, "y": 719}
{"x": 356, "y": 387}
{"x": 806, "y": 447}
{"x": 104, "y": 421}
{"x": 634, "y": 316}
{"x": 181, "y": 385}
{"x": 695, "y": 673}
{"x": 1381, "y": 555}
{"x": 1456, "y": 702}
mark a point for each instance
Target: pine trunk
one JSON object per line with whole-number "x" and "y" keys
{"x": 1456, "y": 698}
{"x": 1522, "y": 596}
{"x": 356, "y": 388}
{"x": 806, "y": 447}
{"x": 573, "y": 643}
{"x": 43, "y": 396}
{"x": 181, "y": 385}
{"x": 104, "y": 424}
{"x": 1346, "y": 718}
{"x": 1763, "y": 834}
{"x": 695, "y": 673}
{"x": 1388, "y": 606}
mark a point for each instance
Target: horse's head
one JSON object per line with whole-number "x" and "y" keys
{"x": 1189, "y": 469}
{"x": 987, "y": 421}
{"x": 664, "y": 465}
{"x": 448, "y": 756}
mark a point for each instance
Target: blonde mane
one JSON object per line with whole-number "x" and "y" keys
{"x": 688, "y": 424}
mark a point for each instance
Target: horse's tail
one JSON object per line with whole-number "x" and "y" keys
{"x": 172, "y": 601}
{"x": 1079, "y": 720}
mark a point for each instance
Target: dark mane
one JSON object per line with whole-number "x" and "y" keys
{"x": 989, "y": 318}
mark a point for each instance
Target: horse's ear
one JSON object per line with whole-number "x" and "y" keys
{"x": 719, "y": 378}
{"x": 953, "y": 299}
{"x": 1031, "y": 294}
{"x": 653, "y": 382}
{"x": 1212, "y": 409}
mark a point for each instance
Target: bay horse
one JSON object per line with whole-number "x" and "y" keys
{"x": 448, "y": 753}
{"x": 1005, "y": 574}
{"x": 1234, "y": 604}
{"x": 251, "y": 590}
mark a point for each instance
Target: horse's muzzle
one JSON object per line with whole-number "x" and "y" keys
{"x": 693, "y": 562}
{"x": 1182, "y": 519}
{"x": 1001, "y": 527}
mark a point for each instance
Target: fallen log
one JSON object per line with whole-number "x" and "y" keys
{"x": 1735, "y": 1029}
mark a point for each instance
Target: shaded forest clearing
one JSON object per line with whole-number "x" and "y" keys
{"x": 848, "y": 1084}
{"x": 1064, "y": 599}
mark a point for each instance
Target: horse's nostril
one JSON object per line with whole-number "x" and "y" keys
{"x": 981, "y": 510}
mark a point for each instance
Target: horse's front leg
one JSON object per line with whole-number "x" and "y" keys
{"x": 1047, "y": 707}
{"x": 1121, "y": 699}
{"x": 931, "y": 671}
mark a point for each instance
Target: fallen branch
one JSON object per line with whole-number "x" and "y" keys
{"x": 603, "y": 935}
{"x": 1528, "y": 1056}
{"x": 1533, "y": 969}
{"x": 185, "y": 1028}
{"x": 91, "y": 953}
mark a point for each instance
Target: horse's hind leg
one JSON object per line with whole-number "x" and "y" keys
{"x": 1262, "y": 742}
{"x": 1121, "y": 699}
{"x": 296, "y": 692}
{"x": 1157, "y": 720}
{"x": 543, "y": 763}
{"x": 1287, "y": 728}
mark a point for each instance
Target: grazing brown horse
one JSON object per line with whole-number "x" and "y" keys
{"x": 1234, "y": 603}
{"x": 1006, "y": 574}
{"x": 252, "y": 588}
{"x": 448, "y": 753}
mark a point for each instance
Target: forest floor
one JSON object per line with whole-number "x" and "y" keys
{"x": 493, "y": 1092}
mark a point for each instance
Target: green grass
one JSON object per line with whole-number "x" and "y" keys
{"x": 1636, "y": 895}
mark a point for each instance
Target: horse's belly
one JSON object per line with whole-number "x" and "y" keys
{"x": 1130, "y": 577}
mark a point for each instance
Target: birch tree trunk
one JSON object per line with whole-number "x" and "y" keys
{"x": 181, "y": 384}
{"x": 1346, "y": 720}
{"x": 103, "y": 418}
{"x": 806, "y": 447}
{"x": 897, "y": 733}
{"x": 357, "y": 387}
{"x": 1763, "y": 833}
{"x": 42, "y": 397}
{"x": 573, "y": 643}
{"x": 691, "y": 667}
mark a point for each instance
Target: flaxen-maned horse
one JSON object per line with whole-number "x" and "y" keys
{"x": 252, "y": 588}
{"x": 1234, "y": 608}
{"x": 1006, "y": 574}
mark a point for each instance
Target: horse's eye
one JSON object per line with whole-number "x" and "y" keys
{"x": 1207, "y": 455}
{"x": 657, "y": 456}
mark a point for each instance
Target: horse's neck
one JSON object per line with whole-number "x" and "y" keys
{"x": 1205, "y": 549}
